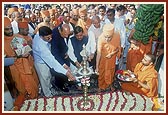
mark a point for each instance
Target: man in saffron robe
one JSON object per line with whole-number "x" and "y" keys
{"x": 147, "y": 48}
{"x": 107, "y": 49}
{"x": 46, "y": 21}
{"x": 146, "y": 80}
{"x": 84, "y": 21}
{"x": 54, "y": 20}
{"x": 10, "y": 11}
{"x": 74, "y": 16}
{"x": 22, "y": 70}
{"x": 23, "y": 33}
{"x": 135, "y": 55}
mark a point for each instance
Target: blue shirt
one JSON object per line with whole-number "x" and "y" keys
{"x": 42, "y": 54}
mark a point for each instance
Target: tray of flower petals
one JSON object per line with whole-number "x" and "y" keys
{"x": 124, "y": 75}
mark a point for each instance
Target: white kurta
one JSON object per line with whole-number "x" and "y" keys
{"x": 15, "y": 27}
{"x": 161, "y": 79}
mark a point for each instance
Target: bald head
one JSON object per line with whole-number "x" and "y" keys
{"x": 148, "y": 59}
{"x": 65, "y": 27}
{"x": 97, "y": 18}
{"x": 64, "y": 30}
{"x": 151, "y": 57}
{"x": 32, "y": 15}
{"x": 33, "y": 18}
{"x": 96, "y": 21}
{"x": 134, "y": 44}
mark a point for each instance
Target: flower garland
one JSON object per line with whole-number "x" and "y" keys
{"x": 108, "y": 101}
{"x": 85, "y": 81}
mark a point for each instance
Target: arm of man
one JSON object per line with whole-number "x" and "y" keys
{"x": 49, "y": 59}
{"x": 122, "y": 36}
{"x": 91, "y": 45}
{"x": 98, "y": 55}
{"x": 71, "y": 53}
{"x": 53, "y": 63}
{"x": 144, "y": 85}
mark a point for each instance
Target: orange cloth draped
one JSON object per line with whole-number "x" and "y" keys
{"x": 107, "y": 65}
{"x": 22, "y": 71}
{"x": 148, "y": 76}
{"x": 133, "y": 57}
{"x": 147, "y": 48}
{"x": 45, "y": 13}
{"x": 56, "y": 22}
{"x": 85, "y": 25}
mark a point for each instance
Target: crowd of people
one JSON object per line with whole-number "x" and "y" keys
{"x": 57, "y": 33}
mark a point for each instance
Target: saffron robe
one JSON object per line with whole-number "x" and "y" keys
{"x": 133, "y": 57}
{"x": 85, "y": 25}
{"x": 107, "y": 65}
{"x": 22, "y": 71}
{"x": 148, "y": 76}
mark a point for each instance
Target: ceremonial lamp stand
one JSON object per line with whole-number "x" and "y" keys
{"x": 85, "y": 104}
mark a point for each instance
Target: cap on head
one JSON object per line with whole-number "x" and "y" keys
{"x": 51, "y": 11}
{"x": 11, "y": 10}
{"x": 75, "y": 11}
{"x": 108, "y": 29}
{"x": 45, "y": 13}
{"x": 82, "y": 11}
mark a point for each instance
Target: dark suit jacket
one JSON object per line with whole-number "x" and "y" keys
{"x": 59, "y": 48}
{"x": 31, "y": 24}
